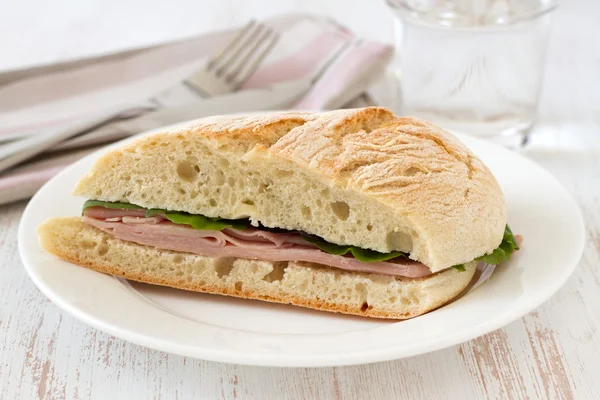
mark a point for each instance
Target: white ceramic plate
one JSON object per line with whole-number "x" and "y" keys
{"x": 251, "y": 332}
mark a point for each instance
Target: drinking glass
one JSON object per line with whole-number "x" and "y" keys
{"x": 473, "y": 66}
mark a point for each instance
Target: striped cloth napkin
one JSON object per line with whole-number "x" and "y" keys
{"x": 338, "y": 65}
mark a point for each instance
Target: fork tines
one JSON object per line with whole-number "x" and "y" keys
{"x": 242, "y": 56}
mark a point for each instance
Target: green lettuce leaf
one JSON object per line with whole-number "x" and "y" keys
{"x": 504, "y": 251}
{"x": 364, "y": 255}
{"x": 200, "y": 221}
{"x": 110, "y": 204}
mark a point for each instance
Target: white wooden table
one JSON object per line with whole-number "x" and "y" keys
{"x": 554, "y": 352}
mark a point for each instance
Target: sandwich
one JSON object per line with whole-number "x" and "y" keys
{"x": 351, "y": 211}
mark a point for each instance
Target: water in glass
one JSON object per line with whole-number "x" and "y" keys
{"x": 472, "y": 66}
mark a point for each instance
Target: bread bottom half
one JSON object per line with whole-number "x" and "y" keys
{"x": 298, "y": 283}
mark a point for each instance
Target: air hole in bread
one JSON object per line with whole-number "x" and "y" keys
{"x": 412, "y": 171}
{"x": 398, "y": 241}
{"x": 264, "y": 187}
{"x": 219, "y": 178}
{"x": 282, "y": 173}
{"x": 248, "y": 202}
{"x": 98, "y": 192}
{"x": 306, "y": 213}
{"x": 186, "y": 171}
{"x": 226, "y": 192}
{"x": 238, "y": 286}
{"x": 231, "y": 181}
{"x": 341, "y": 210}
{"x": 179, "y": 189}
{"x": 412, "y": 297}
{"x": 212, "y": 202}
{"x": 364, "y": 307}
{"x": 361, "y": 290}
{"x": 125, "y": 177}
{"x": 224, "y": 162}
{"x": 223, "y": 266}
{"x": 178, "y": 259}
{"x": 144, "y": 196}
{"x": 193, "y": 194}
{"x": 102, "y": 249}
{"x": 86, "y": 244}
{"x": 277, "y": 273}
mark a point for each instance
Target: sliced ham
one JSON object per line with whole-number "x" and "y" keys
{"x": 253, "y": 235}
{"x": 105, "y": 213}
{"x": 251, "y": 243}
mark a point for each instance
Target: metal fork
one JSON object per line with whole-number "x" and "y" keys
{"x": 225, "y": 72}
{"x": 232, "y": 67}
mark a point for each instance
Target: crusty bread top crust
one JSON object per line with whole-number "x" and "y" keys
{"x": 411, "y": 166}
{"x": 406, "y": 170}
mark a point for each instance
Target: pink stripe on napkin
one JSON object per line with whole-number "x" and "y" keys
{"x": 342, "y": 73}
{"x": 300, "y": 64}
